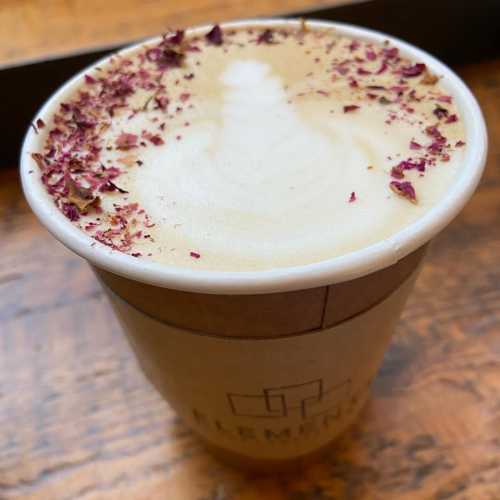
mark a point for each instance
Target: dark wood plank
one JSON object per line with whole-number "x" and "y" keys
{"x": 78, "y": 420}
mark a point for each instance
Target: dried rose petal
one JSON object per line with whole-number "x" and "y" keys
{"x": 459, "y": 144}
{"x": 352, "y": 197}
{"x": 404, "y": 189}
{"x": 412, "y": 71}
{"x": 165, "y": 57}
{"x": 174, "y": 39}
{"x": 370, "y": 55}
{"x": 109, "y": 186}
{"x": 350, "y": 108}
{"x": 433, "y": 131}
{"x": 82, "y": 121}
{"x": 161, "y": 102}
{"x": 415, "y": 145}
{"x": 391, "y": 53}
{"x": 214, "y": 36}
{"x": 91, "y": 226}
{"x": 429, "y": 78}
{"x": 397, "y": 172}
{"x": 171, "y": 58}
{"x": 435, "y": 148}
{"x": 452, "y": 119}
{"x": 40, "y": 123}
{"x": 126, "y": 141}
{"x": 80, "y": 196}
{"x": 153, "y": 54}
{"x": 265, "y": 37}
{"x": 70, "y": 211}
{"x": 413, "y": 165}
{"x": 444, "y": 98}
{"x": 354, "y": 45}
{"x": 90, "y": 80}
{"x": 153, "y": 138}
{"x": 157, "y": 140}
{"x": 195, "y": 255}
{"x": 363, "y": 72}
{"x": 38, "y": 158}
{"x": 440, "y": 112}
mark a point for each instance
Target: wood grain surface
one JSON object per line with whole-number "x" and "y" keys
{"x": 33, "y": 29}
{"x": 78, "y": 421}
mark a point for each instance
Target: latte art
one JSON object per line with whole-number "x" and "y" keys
{"x": 273, "y": 148}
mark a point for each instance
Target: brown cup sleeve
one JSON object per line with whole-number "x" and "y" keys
{"x": 265, "y": 315}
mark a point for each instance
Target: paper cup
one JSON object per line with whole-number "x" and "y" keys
{"x": 268, "y": 367}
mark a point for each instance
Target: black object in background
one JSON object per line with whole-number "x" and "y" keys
{"x": 456, "y": 31}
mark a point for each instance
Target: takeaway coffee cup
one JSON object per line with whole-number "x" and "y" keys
{"x": 268, "y": 367}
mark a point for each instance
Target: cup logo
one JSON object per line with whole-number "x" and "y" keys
{"x": 308, "y": 399}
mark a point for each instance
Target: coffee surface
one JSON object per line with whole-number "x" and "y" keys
{"x": 250, "y": 148}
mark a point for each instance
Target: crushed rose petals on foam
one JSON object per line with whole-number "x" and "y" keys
{"x": 429, "y": 78}
{"x": 441, "y": 112}
{"x": 126, "y": 141}
{"x": 71, "y": 163}
{"x": 174, "y": 39}
{"x": 404, "y": 189}
{"x": 90, "y": 80}
{"x": 152, "y": 138}
{"x": 412, "y": 71}
{"x": 267, "y": 36}
{"x": 214, "y": 36}
{"x": 397, "y": 172}
{"x": 350, "y": 108}
{"x": 444, "y": 98}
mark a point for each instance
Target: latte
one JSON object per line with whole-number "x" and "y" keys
{"x": 250, "y": 148}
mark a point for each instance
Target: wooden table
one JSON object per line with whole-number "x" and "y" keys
{"x": 33, "y": 29}
{"x": 78, "y": 421}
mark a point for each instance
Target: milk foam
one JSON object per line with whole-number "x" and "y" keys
{"x": 266, "y": 182}
{"x": 259, "y": 171}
